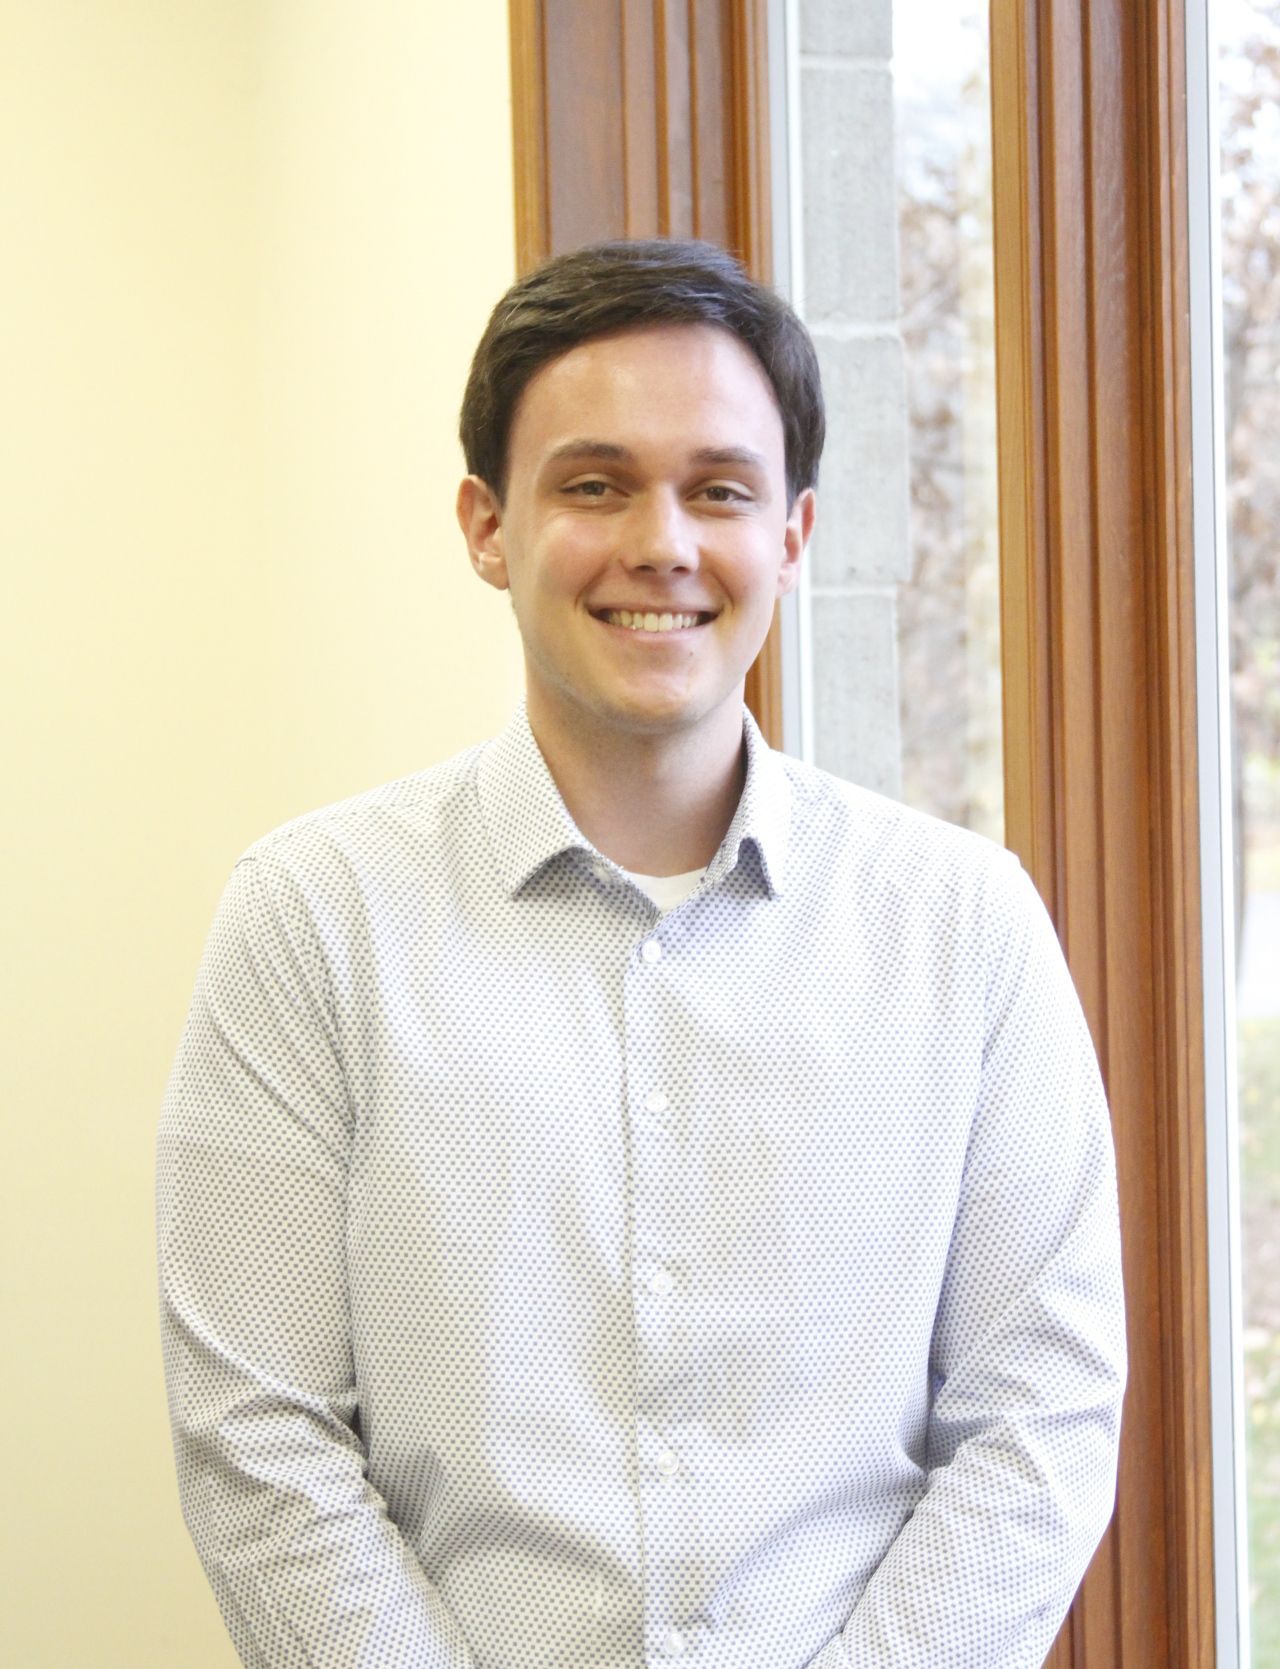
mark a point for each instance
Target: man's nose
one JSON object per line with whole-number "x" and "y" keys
{"x": 662, "y": 535}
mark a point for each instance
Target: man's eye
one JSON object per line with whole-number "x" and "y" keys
{"x": 588, "y": 489}
{"x": 718, "y": 493}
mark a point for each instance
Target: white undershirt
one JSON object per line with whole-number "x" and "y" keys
{"x": 667, "y": 891}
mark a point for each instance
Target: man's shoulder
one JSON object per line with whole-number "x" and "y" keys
{"x": 867, "y": 828}
{"x": 904, "y": 877}
{"x": 411, "y": 808}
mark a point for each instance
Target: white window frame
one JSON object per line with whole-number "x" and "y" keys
{"x": 1217, "y": 881}
{"x": 783, "y": 25}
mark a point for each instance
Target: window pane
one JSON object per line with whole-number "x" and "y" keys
{"x": 897, "y": 289}
{"x": 1249, "y": 102}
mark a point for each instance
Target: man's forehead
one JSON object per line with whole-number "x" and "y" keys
{"x": 696, "y": 370}
{"x": 652, "y": 342}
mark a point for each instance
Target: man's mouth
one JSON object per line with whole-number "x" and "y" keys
{"x": 650, "y": 621}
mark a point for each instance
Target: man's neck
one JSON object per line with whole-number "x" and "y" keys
{"x": 656, "y": 805}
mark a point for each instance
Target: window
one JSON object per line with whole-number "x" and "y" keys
{"x": 891, "y": 267}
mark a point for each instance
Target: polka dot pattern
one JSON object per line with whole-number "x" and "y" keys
{"x": 551, "y": 1279}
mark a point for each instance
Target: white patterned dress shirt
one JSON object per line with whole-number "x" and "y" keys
{"x": 549, "y": 1280}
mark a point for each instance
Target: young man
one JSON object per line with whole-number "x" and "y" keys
{"x": 627, "y": 1197}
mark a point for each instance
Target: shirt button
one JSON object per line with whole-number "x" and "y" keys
{"x": 668, "y": 1463}
{"x": 661, "y": 1281}
{"x": 651, "y": 950}
{"x": 656, "y": 1102}
{"x": 675, "y": 1642}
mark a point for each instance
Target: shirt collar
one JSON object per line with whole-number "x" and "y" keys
{"x": 528, "y": 822}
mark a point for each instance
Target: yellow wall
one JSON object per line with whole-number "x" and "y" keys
{"x": 258, "y": 239}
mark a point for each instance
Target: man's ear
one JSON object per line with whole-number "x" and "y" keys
{"x": 799, "y": 530}
{"x": 480, "y": 518}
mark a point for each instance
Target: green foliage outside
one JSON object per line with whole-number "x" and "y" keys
{"x": 1260, "y": 1198}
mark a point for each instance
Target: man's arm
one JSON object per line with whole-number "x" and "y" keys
{"x": 308, "y": 1569}
{"x": 1028, "y": 1356}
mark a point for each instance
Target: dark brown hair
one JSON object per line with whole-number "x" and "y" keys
{"x": 605, "y": 287}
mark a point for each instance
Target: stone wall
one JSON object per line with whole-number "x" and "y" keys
{"x": 860, "y": 552}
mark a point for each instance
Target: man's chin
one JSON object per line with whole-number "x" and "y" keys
{"x": 650, "y": 715}
{"x": 639, "y": 709}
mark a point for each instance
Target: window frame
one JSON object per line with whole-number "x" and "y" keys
{"x": 1102, "y": 723}
{"x": 1101, "y": 713}
{"x": 1222, "y": 1146}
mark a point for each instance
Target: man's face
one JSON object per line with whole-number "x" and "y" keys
{"x": 646, "y": 483}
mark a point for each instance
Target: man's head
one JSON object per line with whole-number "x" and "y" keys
{"x": 609, "y": 287}
{"x": 642, "y": 428}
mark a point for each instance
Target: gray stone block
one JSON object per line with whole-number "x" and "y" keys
{"x": 850, "y": 195}
{"x": 861, "y": 536}
{"x": 857, "y": 731}
{"x": 852, "y": 28}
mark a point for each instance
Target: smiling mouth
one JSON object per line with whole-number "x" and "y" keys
{"x": 651, "y": 622}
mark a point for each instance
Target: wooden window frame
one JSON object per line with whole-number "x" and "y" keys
{"x": 653, "y": 55}
{"x": 1093, "y": 373}
{"x": 1093, "y": 396}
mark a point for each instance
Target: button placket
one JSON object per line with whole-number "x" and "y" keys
{"x": 669, "y": 1515}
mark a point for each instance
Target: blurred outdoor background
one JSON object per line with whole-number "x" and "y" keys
{"x": 1250, "y": 125}
{"x": 947, "y": 603}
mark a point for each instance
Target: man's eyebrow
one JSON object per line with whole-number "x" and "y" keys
{"x": 607, "y": 451}
{"x": 729, "y": 455}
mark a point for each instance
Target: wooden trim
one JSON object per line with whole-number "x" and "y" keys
{"x": 529, "y": 133}
{"x": 655, "y": 124}
{"x": 753, "y": 244}
{"x": 674, "y": 113}
{"x": 641, "y": 90}
{"x": 1093, "y": 354}
{"x": 1020, "y": 401}
{"x": 751, "y": 140}
{"x": 764, "y": 686}
{"x": 1183, "y": 1247}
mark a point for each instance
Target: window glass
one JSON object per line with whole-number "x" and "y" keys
{"x": 1249, "y": 107}
{"x": 897, "y": 288}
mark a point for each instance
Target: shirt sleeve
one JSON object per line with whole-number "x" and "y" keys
{"x": 1028, "y": 1357}
{"x": 308, "y": 1568}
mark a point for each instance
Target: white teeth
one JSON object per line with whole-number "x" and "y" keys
{"x": 651, "y": 622}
